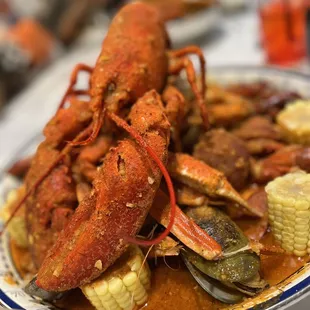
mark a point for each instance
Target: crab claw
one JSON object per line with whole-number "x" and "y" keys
{"x": 205, "y": 179}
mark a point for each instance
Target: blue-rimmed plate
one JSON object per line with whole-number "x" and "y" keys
{"x": 289, "y": 291}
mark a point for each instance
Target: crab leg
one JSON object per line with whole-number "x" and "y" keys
{"x": 185, "y": 229}
{"x": 203, "y": 178}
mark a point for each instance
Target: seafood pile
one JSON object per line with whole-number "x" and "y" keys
{"x": 146, "y": 160}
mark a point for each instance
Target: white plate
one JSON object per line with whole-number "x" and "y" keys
{"x": 288, "y": 292}
{"x": 192, "y": 26}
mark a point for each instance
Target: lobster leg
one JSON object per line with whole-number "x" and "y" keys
{"x": 194, "y": 50}
{"x": 98, "y": 106}
{"x": 175, "y": 106}
{"x": 186, "y": 63}
{"x": 123, "y": 192}
{"x": 185, "y": 229}
{"x": 90, "y": 156}
{"x": 77, "y": 69}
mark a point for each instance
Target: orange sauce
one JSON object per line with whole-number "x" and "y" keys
{"x": 276, "y": 268}
{"x": 22, "y": 259}
{"x": 172, "y": 285}
{"x": 176, "y": 289}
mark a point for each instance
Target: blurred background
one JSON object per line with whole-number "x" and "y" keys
{"x": 34, "y": 34}
{"x": 42, "y": 40}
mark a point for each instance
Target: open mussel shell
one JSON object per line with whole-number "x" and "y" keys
{"x": 252, "y": 286}
{"x": 238, "y": 268}
{"x": 237, "y": 274}
{"x": 214, "y": 287}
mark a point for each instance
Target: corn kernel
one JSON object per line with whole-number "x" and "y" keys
{"x": 278, "y": 225}
{"x": 302, "y": 227}
{"x": 130, "y": 278}
{"x": 289, "y": 211}
{"x": 101, "y": 289}
{"x": 115, "y": 285}
{"x": 300, "y": 253}
{"x": 278, "y": 207}
{"x": 301, "y": 234}
{"x": 302, "y": 205}
{"x": 288, "y": 241}
{"x": 278, "y": 213}
{"x": 287, "y": 248}
{"x": 271, "y": 217}
{"x": 300, "y": 240}
{"x": 300, "y": 247}
{"x": 278, "y": 236}
{"x": 302, "y": 220}
{"x": 287, "y": 223}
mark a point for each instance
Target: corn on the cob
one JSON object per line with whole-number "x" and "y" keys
{"x": 124, "y": 286}
{"x": 17, "y": 227}
{"x": 294, "y": 122}
{"x": 289, "y": 211}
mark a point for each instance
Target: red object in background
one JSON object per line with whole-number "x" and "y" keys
{"x": 33, "y": 39}
{"x": 283, "y": 30}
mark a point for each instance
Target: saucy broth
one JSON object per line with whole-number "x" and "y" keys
{"x": 172, "y": 285}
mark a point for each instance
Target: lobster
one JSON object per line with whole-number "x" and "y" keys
{"x": 98, "y": 223}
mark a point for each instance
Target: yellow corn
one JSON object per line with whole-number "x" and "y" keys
{"x": 17, "y": 227}
{"x": 294, "y": 122}
{"x": 123, "y": 286}
{"x": 289, "y": 211}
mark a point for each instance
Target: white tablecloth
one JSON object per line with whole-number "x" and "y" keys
{"x": 235, "y": 42}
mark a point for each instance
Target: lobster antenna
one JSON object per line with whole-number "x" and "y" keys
{"x": 98, "y": 122}
{"x": 73, "y": 79}
{"x": 121, "y": 123}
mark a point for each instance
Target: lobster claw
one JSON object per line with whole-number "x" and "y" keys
{"x": 33, "y": 290}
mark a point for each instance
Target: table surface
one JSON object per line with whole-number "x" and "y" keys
{"x": 234, "y": 42}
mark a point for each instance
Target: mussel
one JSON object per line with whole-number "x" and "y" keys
{"x": 237, "y": 274}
